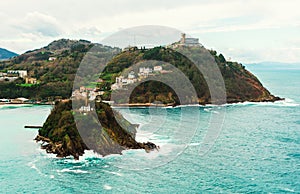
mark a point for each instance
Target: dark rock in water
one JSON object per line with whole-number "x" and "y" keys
{"x": 63, "y": 139}
{"x": 149, "y": 146}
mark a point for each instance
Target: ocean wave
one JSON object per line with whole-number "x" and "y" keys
{"x": 76, "y": 171}
{"x": 114, "y": 173}
{"x": 284, "y": 103}
{"x": 211, "y": 110}
{"x": 287, "y": 102}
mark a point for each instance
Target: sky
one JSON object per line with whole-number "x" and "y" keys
{"x": 247, "y": 31}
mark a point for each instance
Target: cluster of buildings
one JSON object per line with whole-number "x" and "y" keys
{"x": 132, "y": 77}
{"x": 86, "y": 93}
{"x": 12, "y": 75}
{"x": 15, "y": 101}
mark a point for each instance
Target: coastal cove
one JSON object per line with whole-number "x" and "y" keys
{"x": 258, "y": 149}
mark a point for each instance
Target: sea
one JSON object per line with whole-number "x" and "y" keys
{"x": 235, "y": 148}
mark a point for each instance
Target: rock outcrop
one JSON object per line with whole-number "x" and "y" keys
{"x": 60, "y": 134}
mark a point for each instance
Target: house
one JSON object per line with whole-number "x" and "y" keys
{"x": 124, "y": 81}
{"x": 188, "y": 41}
{"x": 30, "y": 80}
{"x": 4, "y": 100}
{"x": 157, "y": 68}
{"x": 52, "y": 58}
{"x": 145, "y": 71}
{"x": 131, "y": 81}
{"x": 12, "y": 74}
{"x": 17, "y": 73}
{"x": 131, "y": 75}
{"x": 119, "y": 79}
{"x": 87, "y": 108}
{"x": 19, "y": 100}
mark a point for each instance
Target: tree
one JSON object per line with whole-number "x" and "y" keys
{"x": 222, "y": 58}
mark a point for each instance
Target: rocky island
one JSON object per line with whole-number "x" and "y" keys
{"x": 59, "y": 134}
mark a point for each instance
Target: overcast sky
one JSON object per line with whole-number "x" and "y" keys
{"x": 243, "y": 30}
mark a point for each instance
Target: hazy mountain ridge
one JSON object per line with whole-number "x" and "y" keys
{"x": 6, "y": 54}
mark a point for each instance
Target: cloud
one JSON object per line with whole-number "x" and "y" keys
{"x": 39, "y": 24}
{"x": 86, "y": 32}
{"x": 35, "y": 23}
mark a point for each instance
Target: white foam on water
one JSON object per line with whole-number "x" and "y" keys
{"x": 289, "y": 190}
{"x": 33, "y": 166}
{"x": 107, "y": 187}
{"x": 115, "y": 173}
{"x": 211, "y": 110}
{"x": 286, "y": 102}
{"x": 143, "y": 136}
{"x": 283, "y": 103}
{"x": 89, "y": 154}
{"x": 194, "y": 144}
{"x": 77, "y": 171}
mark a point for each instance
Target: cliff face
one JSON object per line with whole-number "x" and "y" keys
{"x": 61, "y": 137}
{"x": 60, "y": 134}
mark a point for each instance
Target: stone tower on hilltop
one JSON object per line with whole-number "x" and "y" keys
{"x": 184, "y": 41}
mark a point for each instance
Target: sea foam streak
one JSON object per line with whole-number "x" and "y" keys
{"x": 77, "y": 171}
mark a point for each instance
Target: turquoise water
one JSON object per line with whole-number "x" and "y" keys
{"x": 258, "y": 150}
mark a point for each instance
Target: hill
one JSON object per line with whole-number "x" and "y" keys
{"x": 6, "y": 54}
{"x": 241, "y": 85}
{"x": 54, "y": 66}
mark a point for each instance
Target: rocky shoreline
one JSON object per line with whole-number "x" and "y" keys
{"x": 229, "y": 101}
{"x": 60, "y": 151}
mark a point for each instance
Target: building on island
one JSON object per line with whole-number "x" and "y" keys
{"x": 52, "y": 58}
{"x": 17, "y": 73}
{"x": 157, "y": 68}
{"x": 19, "y": 100}
{"x": 145, "y": 71}
{"x": 184, "y": 41}
{"x": 189, "y": 41}
{"x": 131, "y": 75}
{"x": 4, "y": 100}
{"x": 31, "y": 80}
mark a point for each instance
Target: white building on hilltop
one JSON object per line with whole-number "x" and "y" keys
{"x": 188, "y": 42}
{"x": 157, "y": 68}
{"x": 145, "y": 71}
{"x": 20, "y": 73}
{"x": 131, "y": 75}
